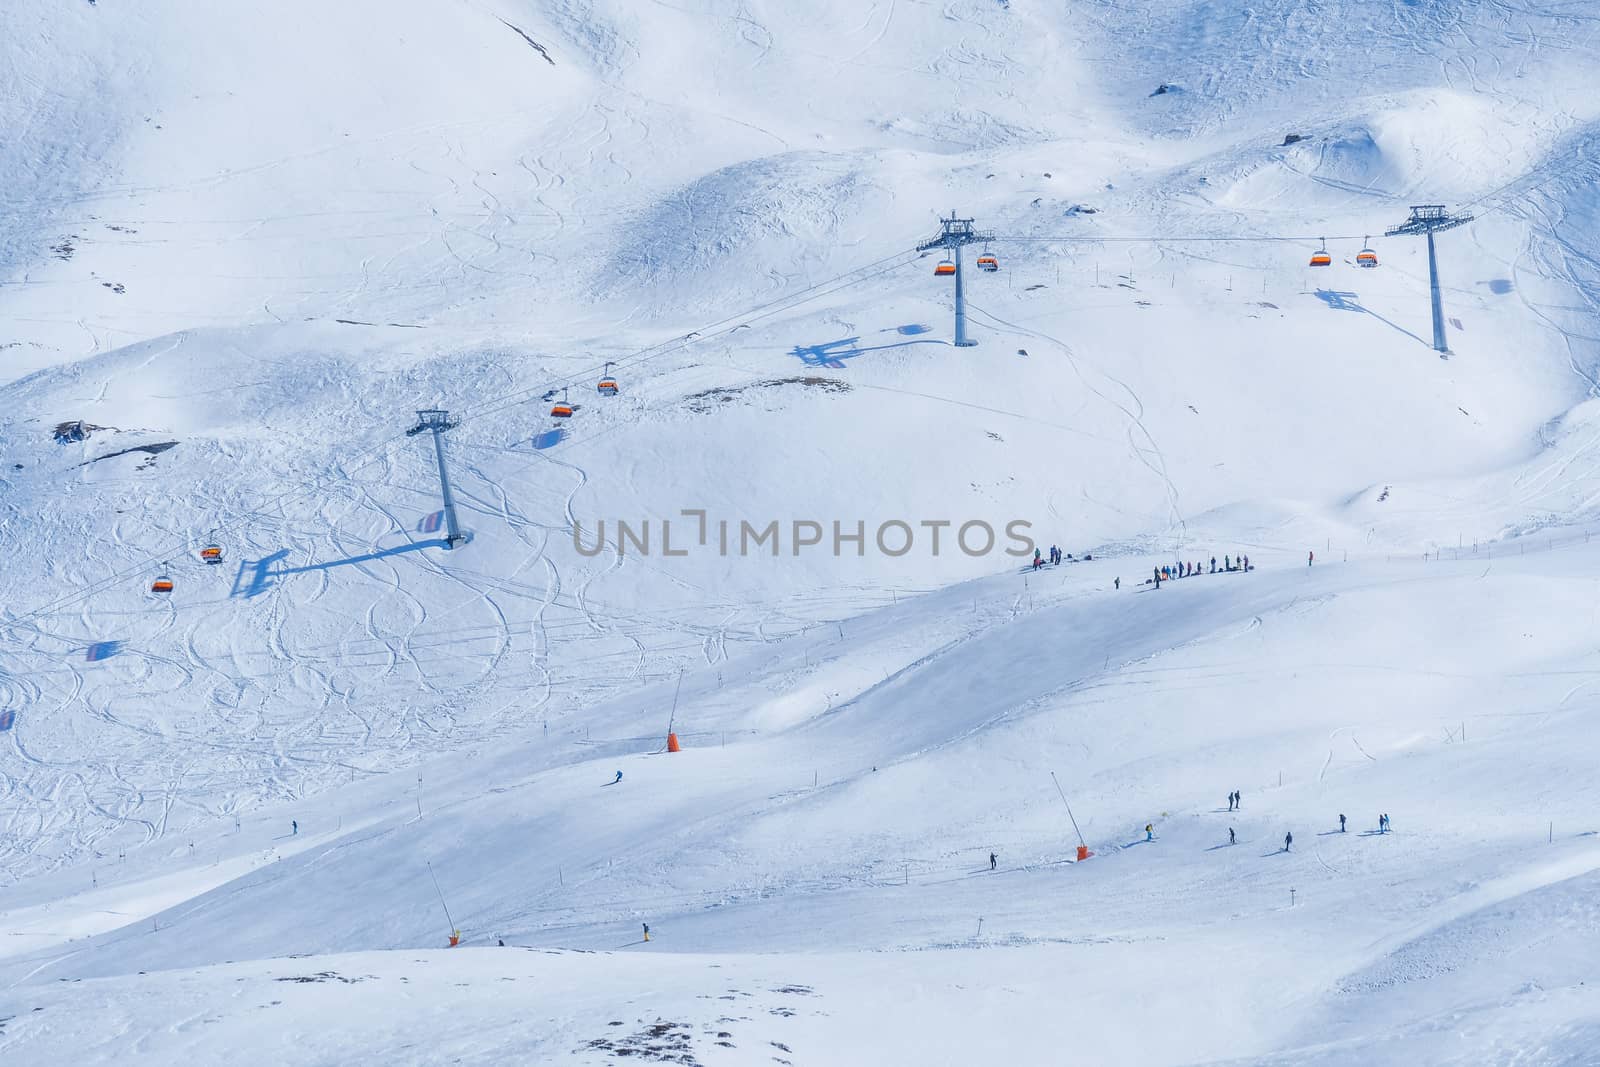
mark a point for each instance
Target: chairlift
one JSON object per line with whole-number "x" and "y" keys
{"x": 987, "y": 261}
{"x": 163, "y": 583}
{"x": 1321, "y": 258}
{"x": 1366, "y": 257}
{"x": 211, "y": 554}
{"x": 945, "y": 269}
{"x": 608, "y": 384}
{"x": 562, "y": 410}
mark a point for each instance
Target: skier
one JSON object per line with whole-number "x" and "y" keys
{"x": 1230, "y": 801}
{"x": 1230, "y": 835}
{"x": 1309, "y": 557}
{"x": 294, "y": 827}
{"x": 992, "y": 860}
{"x": 1149, "y": 832}
{"x": 1247, "y": 563}
{"x": 647, "y": 931}
{"x": 1116, "y": 583}
{"x": 1213, "y": 564}
{"x": 617, "y": 779}
{"x": 1226, "y": 565}
{"x": 1288, "y": 839}
{"x": 1158, "y": 577}
{"x": 1238, "y": 799}
{"x": 1341, "y": 822}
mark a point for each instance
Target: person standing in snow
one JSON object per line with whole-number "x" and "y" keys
{"x": 1341, "y": 822}
{"x": 1116, "y": 583}
{"x": 1213, "y": 564}
{"x": 1246, "y": 562}
{"x": 294, "y": 827}
{"x": 1288, "y": 840}
{"x": 1230, "y": 835}
{"x": 1310, "y": 556}
{"x": 1158, "y": 577}
{"x": 993, "y": 859}
{"x": 1149, "y": 831}
{"x": 1238, "y": 799}
{"x": 647, "y": 931}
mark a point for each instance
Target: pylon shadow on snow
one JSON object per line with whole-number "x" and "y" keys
{"x": 1346, "y": 301}
{"x": 832, "y": 354}
{"x": 257, "y": 576}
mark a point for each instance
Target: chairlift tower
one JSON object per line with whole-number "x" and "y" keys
{"x": 438, "y": 422}
{"x": 953, "y": 234}
{"x": 1429, "y": 219}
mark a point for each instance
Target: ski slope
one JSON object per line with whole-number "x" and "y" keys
{"x": 246, "y": 246}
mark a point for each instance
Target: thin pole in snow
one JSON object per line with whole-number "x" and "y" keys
{"x": 672, "y": 718}
{"x": 980, "y": 926}
{"x": 436, "y": 889}
{"x": 1062, "y": 794}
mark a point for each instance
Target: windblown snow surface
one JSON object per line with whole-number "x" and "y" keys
{"x": 243, "y": 244}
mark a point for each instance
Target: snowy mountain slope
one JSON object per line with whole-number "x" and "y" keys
{"x": 291, "y": 228}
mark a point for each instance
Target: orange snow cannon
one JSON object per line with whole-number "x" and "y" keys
{"x": 672, "y": 743}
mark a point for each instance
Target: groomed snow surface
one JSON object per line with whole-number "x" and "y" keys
{"x": 239, "y": 821}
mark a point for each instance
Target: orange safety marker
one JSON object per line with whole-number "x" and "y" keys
{"x": 455, "y": 938}
{"x": 1083, "y": 853}
{"x": 672, "y": 743}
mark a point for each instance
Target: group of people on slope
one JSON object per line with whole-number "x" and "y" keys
{"x": 1057, "y": 557}
{"x": 1172, "y": 571}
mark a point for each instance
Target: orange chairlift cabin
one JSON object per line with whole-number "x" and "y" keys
{"x": 1366, "y": 257}
{"x": 211, "y": 554}
{"x": 162, "y": 584}
{"x": 946, "y": 268}
{"x": 987, "y": 261}
{"x": 562, "y": 410}
{"x": 1321, "y": 258}
{"x": 608, "y": 384}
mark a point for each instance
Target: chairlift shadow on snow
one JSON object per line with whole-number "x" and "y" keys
{"x": 1346, "y": 301}
{"x": 256, "y": 576}
{"x": 101, "y": 650}
{"x": 832, "y": 354}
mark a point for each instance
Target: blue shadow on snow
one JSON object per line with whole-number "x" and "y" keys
{"x": 261, "y": 572}
{"x": 1340, "y": 301}
{"x": 832, "y": 354}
